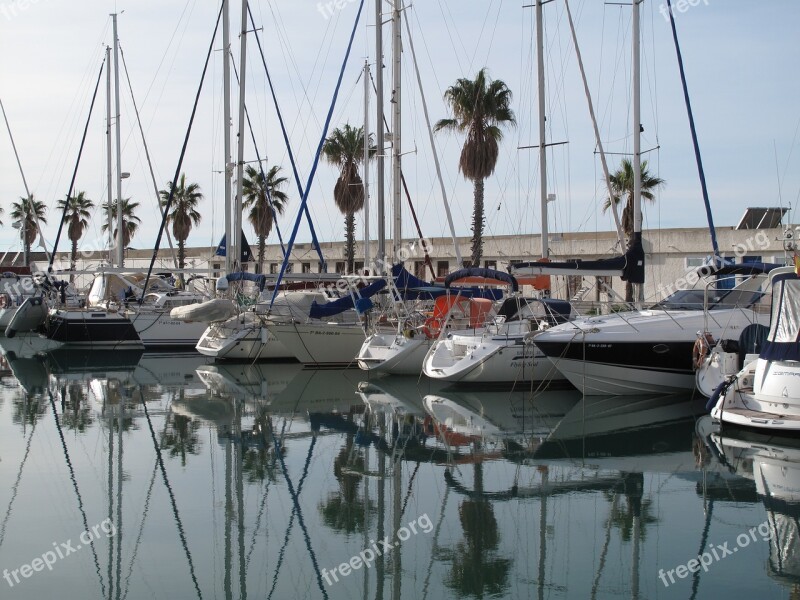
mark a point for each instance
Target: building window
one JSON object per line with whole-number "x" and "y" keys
{"x": 419, "y": 269}
{"x": 216, "y": 267}
{"x": 490, "y": 264}
{"x": 273, "y": 268}
{"x": 442, "y": 268}
{"x": 359, "y": 267}
{"x": 289, "y": 267}
{"x": 693, "y": 262}
{"x": 306, "y": 267}
{"x": 340, "y": 267}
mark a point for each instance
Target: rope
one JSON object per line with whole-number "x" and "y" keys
{"x": 304, "y": 201}
{"x": 168, "y": 203}
{"x": 74, "y": 172}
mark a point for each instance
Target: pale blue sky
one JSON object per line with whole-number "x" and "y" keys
{"x": 741, "y": 59}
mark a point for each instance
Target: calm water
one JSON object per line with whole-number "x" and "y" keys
{"x": 157, "y": 476}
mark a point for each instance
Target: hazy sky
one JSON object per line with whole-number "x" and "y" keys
{"x": 741, "y": 58}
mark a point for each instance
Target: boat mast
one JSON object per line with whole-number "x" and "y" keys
{"x": 397, "y": 171}
{"x": 542, "y": 138}
{"x": 235, "y": 242}
{"x": 637, "y": 134}
{"x": 109, "y": 162}
{"x": 436, "y": 163}
{"x": 380, "y": 139}
{"x": 365, "y": 179}
{"x": 120, "y": 233}
{"x": 226, "y": 77}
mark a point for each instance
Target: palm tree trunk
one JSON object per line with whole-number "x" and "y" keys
{"x": 477, "y": 224}
{"x": 181, "y": 258}
{"x": 262, "y": 246}
{"x": 72, "y": 260}
{"x": 350, "y": 240}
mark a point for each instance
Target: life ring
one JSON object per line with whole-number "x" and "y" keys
{"x": 701, "y": 349}
{"x": 5, "y": 300}
{"x": 432, "y": 327}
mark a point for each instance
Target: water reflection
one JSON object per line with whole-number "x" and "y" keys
{"x": 229, "y": 480}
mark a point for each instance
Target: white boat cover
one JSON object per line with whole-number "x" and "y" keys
{"x": 217, "y": 309}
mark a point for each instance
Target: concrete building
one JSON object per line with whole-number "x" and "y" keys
{"x": 671, "y": 254}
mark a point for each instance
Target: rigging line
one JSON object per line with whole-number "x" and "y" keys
{"x": 15, "y": 487}
{"x": 147, "y": 153}
{"x": 141, "y": 528}
{"x": 260, "y": 167}
{"x": 304, "y": 201}
{"x": 292, "y": 160}
{"x": 296, "y": 511}
{"x": 172, "y": 500}
{"x": 75, "y": 487}
{"x": 693, "y": 129}
{"x": 168, "y": 203}
{"x": 74, "y": 173}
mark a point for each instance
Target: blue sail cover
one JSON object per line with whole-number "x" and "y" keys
{"x": 481, "y": 272}
{"x": 330, "y": 309}
{"x": 261, "y": 280}
{"x": 783, "y": 342}
{"x": 411, "y": 287}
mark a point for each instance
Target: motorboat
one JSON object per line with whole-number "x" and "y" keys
{"x": 502, "y": 350}
{"x": 765, "y": 394}
{"x": 650, "y": 350}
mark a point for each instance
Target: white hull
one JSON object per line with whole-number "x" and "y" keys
{"x": 28, "y": 317}
{"x": 234, "y": 340}
{"x": 501, "y": 359}
{"x": 320, "y": 344}
{"x": 600, "y": 379}
{"x": 158, "y": 330}
{"x": 393, "y": 353}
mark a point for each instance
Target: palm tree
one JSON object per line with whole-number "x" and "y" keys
{"x": 183, "y": 212}
{"x": 345, "y": 149}
{"x": 130, "y": 222}
{"x": 479, "y": 108}
{"x": 258, "y": 190}
{"x": 622, "y": 183}
{"x": 76, "y": 216}
{"x": 28, "y": 211}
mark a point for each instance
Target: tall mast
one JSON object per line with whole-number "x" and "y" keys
{"x": 365, "y": 179}
{"x": 542, "y": 137}
{"x": 397, "y": 170}
{"x": 637, "y": 132}
{"x": 226, "y": 77}
{"x": 235, "y": 242}
{"x": 109, "y": 162}
{"x": 379, "y": 138}
{"x": 120, "y": 233}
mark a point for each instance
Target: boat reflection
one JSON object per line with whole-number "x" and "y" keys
{"x": 773, "y": 464}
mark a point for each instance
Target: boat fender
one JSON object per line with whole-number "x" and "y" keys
{"x": 702, "y": 346}
{"x": 5, "y": 300}
{"x": 718, "y": 391}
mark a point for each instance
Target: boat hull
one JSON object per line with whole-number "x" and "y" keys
{"x": 393, "y": 354}
{"x": 321, "y": 344}
{"x": 158, "y": 331}
{"x": 246, "y": 342}
{"x": 91, "y": 329}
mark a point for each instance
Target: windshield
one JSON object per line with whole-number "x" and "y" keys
{"x": 717, "y": 299}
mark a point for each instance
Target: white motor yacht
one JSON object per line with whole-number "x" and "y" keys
{"x": 650, "y": 350}
{"x": 765, "y": 394}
